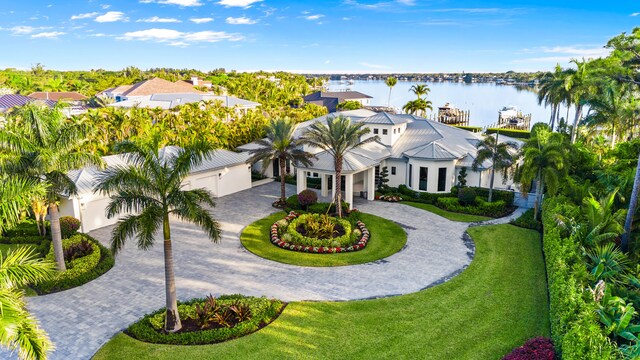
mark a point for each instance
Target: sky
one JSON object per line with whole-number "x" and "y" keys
{"x": 341, "y": 36}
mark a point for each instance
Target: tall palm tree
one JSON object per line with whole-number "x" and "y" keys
{"x": 608, "y": 108}
{"x": 280, "y": 144}
{"x": 151, "y": 187}
{"x": 552, "y": 92}
{"x": 577, "y": 85}
{"x": 633, "y": 204}
{"x": 420, "y": 90}
{"x": 417, "y": 107}
{"x": 15, "y": 195}
{"x": 19, "y": 330}
{"x": 543, "y": 162}
{"x": 44, "y": 147}
{"x": 501, "y": 154}
{"x": 337, "y": 137}
{"x": 391, "y": 82}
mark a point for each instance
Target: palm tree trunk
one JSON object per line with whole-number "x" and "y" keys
{"x": 633, "y": 203}
{"x": 493, "y": 174}
{"x": 553, "y": 116}
{"x": 172, "y": 318}
{"x": 283, "y": 194}
{"x": 338, "y": 186}
{"x": 56, "y": 236}
{"x": 557, "y": 114}
{"x": 576, "y": 120}
{"x": 389, "y": 100}
{"x": 536, "y": 206}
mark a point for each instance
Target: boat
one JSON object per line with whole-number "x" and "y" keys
{"x": 350, "y": 82}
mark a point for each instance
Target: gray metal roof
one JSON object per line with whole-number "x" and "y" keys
{"x": 85, "y": 179}
{"x": 432, "y": 151}
{"x": 384, "y": 118}
{"x": 355, "y": 160}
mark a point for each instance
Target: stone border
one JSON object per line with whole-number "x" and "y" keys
{"x": 275, "y": 240}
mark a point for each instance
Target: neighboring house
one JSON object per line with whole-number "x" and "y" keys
{"x": 149, "y": 87}
{"x": 75, "y": 100}
{"x": 12, "y": 100}
{"x": 422, "y": 154}
{"x": 169, "y": 101}
{"x": 224, "y": 173}
{"x": 330, "y": 100}
{"x": 196, "y": 81}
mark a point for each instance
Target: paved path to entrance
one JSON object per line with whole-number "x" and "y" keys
{"x": 81, "y": 320}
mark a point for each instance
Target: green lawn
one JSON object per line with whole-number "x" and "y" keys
{"x": 495, "y": 305}
{"x": 387, "y": 238}
{"x": 453, "y": 216}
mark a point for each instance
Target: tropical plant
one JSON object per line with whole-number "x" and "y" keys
{"x": 462, "y": 177}
{"x": 608, "y": 109}
{"x": 420, "y": 90}
{"x": 383, "y": 179}
{"x": 607, "y": 263}
{"x": 552, "y": 91}
{"x": 151, "y": 187}
{"x": 543, "y": 162}
{"x": 280, "y": 144}
{"x": 577, "y": 85}
{"x": 18, "y": 329}
{"x": 15, "y": 196}
{"x": 616, "y": 316}
{"x": 633, "y": 205}
{"x": 602, "y": 223}
{"x": 502, "y": 155}
{"x": 350, "y": 105}
{"x": 391, "y": 82}
{"x": 44, "y": 147}
{"x": 417, "y": 107}
{"x": 337, "y": 137}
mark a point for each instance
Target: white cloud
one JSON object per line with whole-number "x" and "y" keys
{"x": 346, "y": 18}
{"x": 174, "y": 2}
{"x": 155, "y": 19}
{"x": 635, "y": 14}
{"x": 47, "y": 35}
{"x": 111, "y": 16}
{"x": 22, "y": 30}
{"x": 237, "y": 3}
{"x": 240, "y": 21}
{"x": 105, "y": 6}
{"x": 84, "y": 16}
{"x": 562, "y": 54}
{"x": 314, "y": 17}
{"x": 178, "y": 38}
{"x": 201, "y": 20}
{"x": 373, "y": 66}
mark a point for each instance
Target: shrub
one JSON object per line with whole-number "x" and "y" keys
{"x": 23, "y": 239}
{"x": 483, "y": 208}
{"x": 539, "y": 348}
{"x": 69, "y": 226}
{"x": 26, "y": 227}
{"x": 307, "y": 197}
{"x": 78, "y": 250}
{"x": 263, "y": 311}
{"x": 292, "y": 203}
{"x": 319, "y": 231}
{"x": 467, "y": 196}
{"x": 320, "y": 208}
{"x": 80, "y": 270}
{"x": 505, "y": 195}
{"x": 518, "y": 134}
{"x": 527, "y": 221}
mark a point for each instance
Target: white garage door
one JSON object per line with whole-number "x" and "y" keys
{"x": 209, "y": 182}
{"x": 93, "y": 214}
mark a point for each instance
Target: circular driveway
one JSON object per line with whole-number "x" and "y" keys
{"x": 81, "y": 320}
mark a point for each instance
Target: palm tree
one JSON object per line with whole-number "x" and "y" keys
{"x": 543, "y": 162}
{"x": 44, "y": 147}
{"x": 15, "y": 195}
{"x": 19, "y": 330}
{"x": 552, "y": 92}
{"x": 602, "y": 222}
{"x": 633, "y": 204}
{"x": 577, "y": 86}
{"x": 608, "y": 108}
{"x": 391, "y": 82}
{"x": 337, "y": 137}
{"x": 280, "y": 144}
{"x": 501, "y": 154}
{"x": 151, "y": 187}
{"x": 420, "y": 89}
{"x": 417, "y": 107}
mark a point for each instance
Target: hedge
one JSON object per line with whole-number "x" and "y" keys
{"x": 473, "y": 129}
{"x": 574, "y": 328}
{"x": 79, "y": 271}
{"x": 527, "y": 221}
{"x": 518, "y": 134}
{"x": 429, "y": 198}
{"x": 264, "y": 312}
{"x": 492, "y": 209}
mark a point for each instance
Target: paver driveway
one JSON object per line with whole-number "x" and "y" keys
{"x": 81, "y": 320}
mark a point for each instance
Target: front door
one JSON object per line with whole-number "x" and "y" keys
{"x": 276, "y": 168}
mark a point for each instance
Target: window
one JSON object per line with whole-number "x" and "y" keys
{"x": 393, "y": 170}
{"x": 394, "y": 130}
{"x": 442, "y": 179}
{"x": 410, "y": 175}
{"x": 375, "y": 131}
{"x": 384, "y": 131}
{"x": 424, "y": 174}
{"x": 315, "y": 175}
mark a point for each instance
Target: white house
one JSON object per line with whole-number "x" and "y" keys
{"x": 222, "y": 173}
{"x": 422, "y": 154}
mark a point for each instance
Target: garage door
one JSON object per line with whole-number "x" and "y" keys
{"x": 205, "y": 182}
{"x": 93, "y": 214}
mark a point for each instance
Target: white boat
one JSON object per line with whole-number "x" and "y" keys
{"x": 508, "y": 112}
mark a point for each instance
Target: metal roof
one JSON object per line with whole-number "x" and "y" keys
{"x": 432, "y": 151}
{"x": 384, "y": 118}
{"x": 12, "y": 100}
{"x": 355, "y": 160}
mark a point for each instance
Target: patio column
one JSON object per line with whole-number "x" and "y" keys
{"x": 301, "y": 180}
{"x": 348, "y": 191}
{"x": 371, "y": 184}
{"x": 324, "y": 187}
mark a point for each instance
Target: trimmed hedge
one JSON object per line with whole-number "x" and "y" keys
{"x": 26, "y": 227}
{"x": 505, "y": 195}
{"x": 298, "y": 239}
{"x": 264, "y": 311}
{"x": 575, "y": 330}
{"x": 430, "y": 198}
{"x": 473, "y": 129}
{"x": 518, "y": 134}
{"x": 79, "y": 271}
{"x": 483, "y": 208}
{"x": 527, "y": 221}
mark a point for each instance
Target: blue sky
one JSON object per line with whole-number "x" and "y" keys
{"x": 320, "y": 36}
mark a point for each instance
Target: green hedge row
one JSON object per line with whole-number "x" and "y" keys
{"x": 527, "y": 221}
{"x": 79, "y": 271}
{"x": 492, "y": 209}
{"x": 474, "y": 129}
{"x": 574, "y": 327}
{"x": 518, "y": 134}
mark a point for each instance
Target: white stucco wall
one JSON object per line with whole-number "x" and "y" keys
{"x": 400, "y": 177}
{"x": 432, "y": 179}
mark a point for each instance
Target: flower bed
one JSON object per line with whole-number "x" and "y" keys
{"x": 210, "y": 320}
{"x": 389, "y": 198}
{"x": 285, "y": 235}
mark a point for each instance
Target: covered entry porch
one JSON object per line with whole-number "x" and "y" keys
{"x": 354, "y": 184}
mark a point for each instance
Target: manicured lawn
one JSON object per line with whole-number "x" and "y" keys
{"x": 447, "y": 214}
{"x": 495, "y": 305}
{"x": 387, "y": 238}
